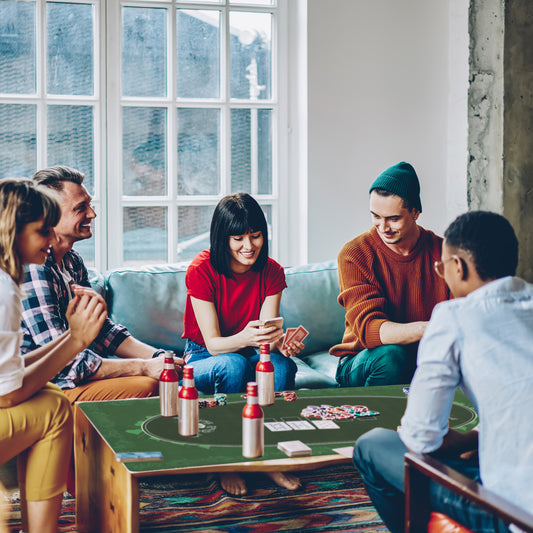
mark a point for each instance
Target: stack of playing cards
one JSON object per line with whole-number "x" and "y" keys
{"x": 294, "y": 448}
{"x": 294, "y": 335}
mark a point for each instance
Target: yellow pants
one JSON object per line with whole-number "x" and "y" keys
{"x": 39, "y": 431}
{"x": 113, "y": 389}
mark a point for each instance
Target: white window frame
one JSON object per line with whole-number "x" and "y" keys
{"x": 115, "y": 200}
{"x": 288, "y": 104}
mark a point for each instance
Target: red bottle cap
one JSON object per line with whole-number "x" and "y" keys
{"x": 251, "y": 388}
{"x": 169, "y": 360}
{"x": 265, "y": 348}
{"x": 188, "y": 372}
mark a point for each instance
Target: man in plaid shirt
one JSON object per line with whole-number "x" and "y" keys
{"x": 47, "y": 290}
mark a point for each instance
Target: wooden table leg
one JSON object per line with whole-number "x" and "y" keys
{"x": 107, "y": 495}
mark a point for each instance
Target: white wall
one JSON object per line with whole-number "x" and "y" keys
{"x": 385, "y": 84}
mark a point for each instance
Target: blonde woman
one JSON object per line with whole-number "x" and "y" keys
{"x": 35, "y": 416}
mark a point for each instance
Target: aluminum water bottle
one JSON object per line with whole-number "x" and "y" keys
{"x": 188, "y": 405}
{"x": 168, "y": 387}
{"x": 264, "y": 375}
{"x": 253, "y": 439}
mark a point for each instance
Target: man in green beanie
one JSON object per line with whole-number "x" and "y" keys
{"x": 388, "y": 285}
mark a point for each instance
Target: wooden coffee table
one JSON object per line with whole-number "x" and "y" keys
{"x": 107, "y": 491}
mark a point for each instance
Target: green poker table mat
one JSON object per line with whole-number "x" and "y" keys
{"x": 135, "y": 425}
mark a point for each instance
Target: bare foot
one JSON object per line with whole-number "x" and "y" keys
{"x": 233, "y": 483}
{"x": 286, "y": 481}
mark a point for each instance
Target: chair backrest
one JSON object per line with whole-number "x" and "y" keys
{"x": 421, "y": 469}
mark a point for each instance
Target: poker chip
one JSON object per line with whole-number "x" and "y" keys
{"x": 219, "y": 399}
{"x": 343, "y": 412}
{"x": 287, "y": 395}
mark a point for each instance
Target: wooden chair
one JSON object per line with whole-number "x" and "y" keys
{"x": 421, "y": 469}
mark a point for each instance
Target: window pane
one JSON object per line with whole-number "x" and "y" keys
{"x": 86, "y": 250}
{"x": 144, "y": 151}
{"x": 203, "y": 1}
{"x": 264, "y": 151}
{"x": 198, "y": 151}
{"x": 198, "y": 53}
{"x": 267, "y": 209}
{"x": 194, "y": 223}
{"x": 71, "y": 139}
{"x": 17, "y": 47}
{"x": 252, "y": 2}
{"x": 18, "y": 132}
{"x": 69, "y": 32}
{"x": 250, "y": 55}
{"x": 241, "y": 165}
{"x": 144, "y": 51}
{"x": 145, "y": 234}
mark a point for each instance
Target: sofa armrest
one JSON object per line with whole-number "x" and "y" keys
{"x": 421, "y": 469}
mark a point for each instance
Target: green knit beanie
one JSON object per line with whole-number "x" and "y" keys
{"x": 400, "y": 179}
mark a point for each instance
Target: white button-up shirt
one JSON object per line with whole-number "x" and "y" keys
{"x": 482, "y": 343}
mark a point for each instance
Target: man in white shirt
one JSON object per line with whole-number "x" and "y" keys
{"x": 480, "y": 341}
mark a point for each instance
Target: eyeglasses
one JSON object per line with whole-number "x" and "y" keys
{"x": 439, "y": 265}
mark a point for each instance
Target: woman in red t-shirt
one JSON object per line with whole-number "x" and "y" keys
{"x": 231, "y": 289}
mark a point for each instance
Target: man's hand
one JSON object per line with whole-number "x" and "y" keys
{"x": 86, "y": 313}
{"x": 456, "y": 444}
{"x": 153, "y": 367}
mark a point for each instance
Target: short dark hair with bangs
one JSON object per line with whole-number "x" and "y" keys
{"x": 236, "y": 214}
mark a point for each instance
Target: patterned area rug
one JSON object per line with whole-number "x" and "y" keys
{"x": 331, "y": 500}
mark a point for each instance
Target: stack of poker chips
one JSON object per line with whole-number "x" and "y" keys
{"x": 287, "y": 395}
{"x": 330, "y": 412}
{"x": 218, "y": 400}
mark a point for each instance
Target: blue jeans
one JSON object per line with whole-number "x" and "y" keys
{"x": 389, "y": 364}
{"x": 378, "y": 456}
{"x": 230, "y": 372}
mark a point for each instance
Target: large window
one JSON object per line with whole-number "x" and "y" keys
{"x": 165, "y": 106}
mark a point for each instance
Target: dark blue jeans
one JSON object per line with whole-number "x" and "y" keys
{"x": 230, "y": 372}
{"x": 378, "y": 456}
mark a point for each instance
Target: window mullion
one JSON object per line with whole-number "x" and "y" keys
{"x": 114, "y": 134}
{"x": 172, "y": 133}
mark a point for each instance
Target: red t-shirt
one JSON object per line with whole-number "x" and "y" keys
{"x": 237, "y": 301}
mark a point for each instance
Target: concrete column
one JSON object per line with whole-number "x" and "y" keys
{"x": 500, "y": 116}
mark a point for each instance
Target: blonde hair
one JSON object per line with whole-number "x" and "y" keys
{"x": 22, "y": 202}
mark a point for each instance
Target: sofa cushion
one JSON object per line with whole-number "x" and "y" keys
{"x": 150, "y": 302}
{"x": 309, "y": 378}
{"x": 310, "y": 299}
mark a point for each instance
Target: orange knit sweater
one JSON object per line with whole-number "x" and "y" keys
{"x": 377, "y": 284}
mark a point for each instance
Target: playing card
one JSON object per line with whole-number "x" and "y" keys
{"x": 300, "y": 335}
{"x": 294, "y": 448}
{"x": 277, "y": 426}
{"x": 288, "y": 334}
{"x": 299, "y": 425}
{"x": 325, "y": 424}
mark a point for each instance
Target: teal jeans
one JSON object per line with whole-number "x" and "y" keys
{"x": 389, "y": 364}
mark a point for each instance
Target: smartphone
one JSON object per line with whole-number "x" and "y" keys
{"x": 277, "y": 322}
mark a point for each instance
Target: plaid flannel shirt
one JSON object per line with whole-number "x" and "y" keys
{"x": 45, "y": 300}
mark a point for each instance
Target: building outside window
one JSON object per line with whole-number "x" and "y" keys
{"x": 165, "y": 106}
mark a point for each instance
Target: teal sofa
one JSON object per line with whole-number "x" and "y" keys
{"x": 150, "y": 302}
